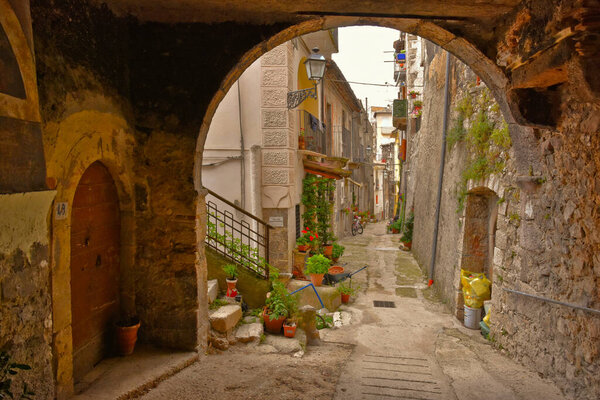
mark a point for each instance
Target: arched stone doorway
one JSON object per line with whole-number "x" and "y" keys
{"x": 95, "y": 265}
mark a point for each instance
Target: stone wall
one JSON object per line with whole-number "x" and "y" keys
{"x": 546, "y": 233}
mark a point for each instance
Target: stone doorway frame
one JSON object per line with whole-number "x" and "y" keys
{"x": 89, "y": 136}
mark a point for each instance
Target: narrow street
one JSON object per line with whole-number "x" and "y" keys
{"x": 415, "y": 350}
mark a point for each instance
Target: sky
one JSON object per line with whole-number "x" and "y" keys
{"x": 361, "y": 58}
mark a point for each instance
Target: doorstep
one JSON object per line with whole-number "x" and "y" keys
{"x": 125, "y": 377}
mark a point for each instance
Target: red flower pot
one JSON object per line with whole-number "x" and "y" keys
{"x": 126, "y": 338}
{"x": 317, "y": 279}
{"x": 408, "y": 245}
{"x": 395, "y": 230}
{"x": 273, "y": 325}
{"x": 289, "y": 330}
{"x": 345, "y": 298}
{"x": 336, "y": 269}
{"x": 231, "y": 290}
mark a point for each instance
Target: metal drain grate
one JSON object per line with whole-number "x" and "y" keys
{"x": 384, "y": 304}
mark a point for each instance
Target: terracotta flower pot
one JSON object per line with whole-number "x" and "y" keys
{"x": 317, "y": 279}
{"x": 394, "y": 230}
{"x": 231, "y": 289}
{"x": 335, "y": 259}
{"x": 336, "y": 269}
{"x": 273, "y": 325}
{"x": 408, "y": 245}
{"x": 289, "y": 330}
{"x": 328, "y": 250}
{"x": 301, "y": 143}
{"x": 303, "y": 247}
{"x": 345, "y": 298}
{"x": 126, "y": 338}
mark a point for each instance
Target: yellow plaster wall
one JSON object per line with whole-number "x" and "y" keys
{"x": 309, "y": 105}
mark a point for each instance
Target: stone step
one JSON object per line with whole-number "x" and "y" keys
{"x": 329, "y": 294}
{"x": 212, "y": 290}
{"x": 225, "y": 318}
{"x": 249, "y": 332}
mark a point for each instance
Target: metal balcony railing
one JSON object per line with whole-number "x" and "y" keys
{"x": 314, "y": 134}
{"x": 245, "y": 241}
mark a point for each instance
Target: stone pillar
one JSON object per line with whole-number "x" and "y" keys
{"x": 279, "y": 151}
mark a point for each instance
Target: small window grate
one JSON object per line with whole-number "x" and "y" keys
{"x": 384, "y": 304}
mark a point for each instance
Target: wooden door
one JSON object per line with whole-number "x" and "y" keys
{"x": 95, "y": 230}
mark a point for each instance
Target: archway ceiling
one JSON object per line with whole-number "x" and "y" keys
{"x": 269, "y": 11}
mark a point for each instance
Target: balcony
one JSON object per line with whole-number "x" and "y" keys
{"x": 314, "y": 134}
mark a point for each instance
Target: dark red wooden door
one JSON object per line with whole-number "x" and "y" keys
{"x": 95, "y": 231}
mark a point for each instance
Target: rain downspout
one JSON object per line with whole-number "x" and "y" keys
{"x": 243, "y": 158}
{"x": 441, "y": 173}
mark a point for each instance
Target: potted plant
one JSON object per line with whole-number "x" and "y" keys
{"x": 406, "y": 238}
{"x": 127, "y": 330}
{"x": 396, "y": 226}
{"x": 413, "y": 94}
{"x": 317, "y": 266}
{"x": 346, "y": 291}
{"x": 275, "y": 311}
{"x": 231, "y": 279}
{"x": 417, "y": 105}
{"x": 337, "y": 252}
{"x": 291, "y": 323}
{"x": 307, "y": 240}
{"x": 301, "y": 141}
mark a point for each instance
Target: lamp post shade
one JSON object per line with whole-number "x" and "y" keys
{"x": 315, "y": 65}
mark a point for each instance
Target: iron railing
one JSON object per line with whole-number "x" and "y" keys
{"x": 314, "y": 134}
{"x": 346, "y": 143}
{"x": 244, "y": 241}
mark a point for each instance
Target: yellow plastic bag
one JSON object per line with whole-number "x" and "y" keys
{"x": 475, "y": 287}
{"x": 486, "y": 319}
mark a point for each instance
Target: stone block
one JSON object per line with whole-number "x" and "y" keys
{"x": 276, "y": 57}
{"x": 276, "y": 197}
{"x": 276, "y": 118}
{"x": 225, "y": 318}
{"x": 284, "y": 344}
{"x": 274, "y": 77}
{"x": 329, "y": 295}
{"x": 277, "y": 176}
{"x": 273, "y": 97}
{"x": 212, "y": 290}
{"x": 277, "y": 138}
{"x": 277, "y": 158}
{"x": 249, "y": 332}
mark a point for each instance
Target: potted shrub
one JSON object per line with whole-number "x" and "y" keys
{"x": 275, "y": 311}
{"x": 231, "y": 279}
{"x": 317, "y": 266}
{"x": 406, "y": 238}
{"x": 346, "y": 291}
{"x": 291, "y": 323}
{"x": 337, "y": 252}
{"x": 127, "y": 330}
{"x": 396, "y": 226}
{"x": 413, "y": 94}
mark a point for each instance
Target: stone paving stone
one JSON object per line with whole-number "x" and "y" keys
{"x": 225, "y": 318}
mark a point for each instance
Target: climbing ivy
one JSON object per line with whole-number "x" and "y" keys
{"x": 486, "y": 143}
{"x": 317, "y": 198}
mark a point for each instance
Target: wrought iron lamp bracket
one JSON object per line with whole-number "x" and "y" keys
{"x": 295, "y": 98}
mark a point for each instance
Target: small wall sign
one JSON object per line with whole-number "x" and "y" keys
{"x": 62, "y": 210}
{"x": 276, "y": 222}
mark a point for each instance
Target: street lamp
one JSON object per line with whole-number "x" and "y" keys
{"x": 315, "y": 69}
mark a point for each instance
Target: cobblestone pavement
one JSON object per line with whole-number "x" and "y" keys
{"x": 413, "y": 350}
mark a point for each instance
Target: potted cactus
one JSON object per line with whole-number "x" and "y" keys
{"x": 317, "y": 267}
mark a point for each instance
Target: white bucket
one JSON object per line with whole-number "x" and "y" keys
{"x": 472, "y": 317}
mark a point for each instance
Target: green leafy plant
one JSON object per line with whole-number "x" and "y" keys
{"x": 417, "y": 103}
{"x": 324, "y": 321}
{"x": 277, "y": 302}
{"x": 317, "y": 264}
{"x": 338, "y": 250}
{"x": 397, "y": 225}
{"x": 317, "y": 198}
{"x": 217, "y": 303}
{"x": 344, "y": 288}
{"x": 231, "y": 271}
{"x": 9, "y": 369}
{"x": 408, "y": 229}
{"x": 414, "y": 93}
{"x": 307, "y": 238}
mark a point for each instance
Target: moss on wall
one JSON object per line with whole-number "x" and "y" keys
{"x": 252, "y": 288}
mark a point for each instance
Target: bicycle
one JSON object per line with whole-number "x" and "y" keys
{"x": 356, "y": 226}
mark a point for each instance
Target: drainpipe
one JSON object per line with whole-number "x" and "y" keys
{"x": 242, "y": 155}
{"x": 441, "y": 173}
